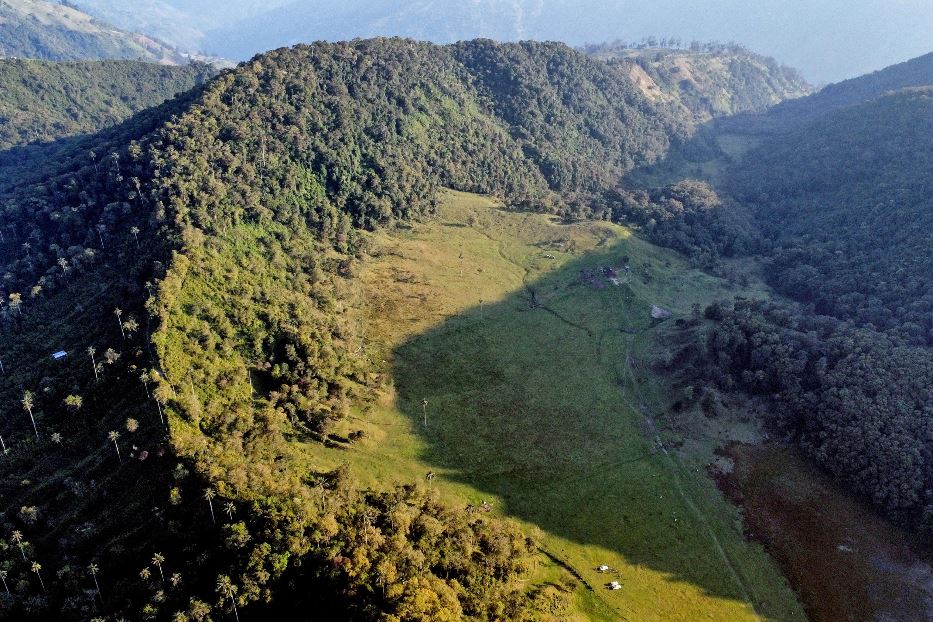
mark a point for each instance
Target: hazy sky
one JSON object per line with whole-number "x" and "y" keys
{"x": 827, "y": 40}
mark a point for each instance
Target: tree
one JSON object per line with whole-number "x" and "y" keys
{"x": 92, "y": 351}
{"x": 37, "y": 568}
{"x": 144, "y": 377}
{"x": 229, "y": 508}
{"x": 92, "y": 570}
{"x": 209, "y": 495}
{"x": 113, "y": 435}
{"x": 130, "y": 325}
{"x": 27, "y": 406}
{"x": 157, "y": 560}
{"x": 424, "y": 408}
{"x": 145, "y": 573}
{"x": 3, "y": 576}
{"x": 17, "y": 538}
{"x": 227, "y": 589}
{"x": 16, "y": 301}
{"x": 135, "y": 232}
{"x": 119, "y": 313}
{"x": 74, "y": 403}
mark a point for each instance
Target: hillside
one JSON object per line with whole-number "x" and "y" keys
{"x": 709, "y": 80}
{"x": 225, "y": 230}
{"x": 43, "y": 101}
{"x": 51, "y": 31}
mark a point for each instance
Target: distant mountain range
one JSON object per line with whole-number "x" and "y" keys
{"x": 51, "y": 31}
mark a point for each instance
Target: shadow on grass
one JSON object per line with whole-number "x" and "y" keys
{"x": 531, "y": 400}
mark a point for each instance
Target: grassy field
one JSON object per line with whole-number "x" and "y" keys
{"x": 540, "y": 401}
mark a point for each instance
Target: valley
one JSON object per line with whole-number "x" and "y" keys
{"x": 538, "y": 386}
{"x": 386, "y": 330}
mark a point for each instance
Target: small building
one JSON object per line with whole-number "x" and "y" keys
{"x": 59, "y": 355}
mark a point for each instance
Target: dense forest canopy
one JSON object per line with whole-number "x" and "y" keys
{"x": 43, "y": 101}
{"x": 845, "y": 202}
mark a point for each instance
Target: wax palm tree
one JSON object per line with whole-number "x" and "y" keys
{"x": 92, "y": 351}
{"x": 113, "y": 435}
{"x": 229, "y": 508}
{"x": 145, "y": 573}
{"x": 144, "y": 378}
{"x": 135, "y": 232}
{"x": 37, "y": 568}
{"x": 227, "y": 589}
{"x": 157, "y": 560}
{"x": 92, "y": 570}
{"x": 27, "y": 406}
{"x": 3, "y": 575}
{"x": 17, "y": 538}
{"x": 119, "y": 313}
{"x": 209, "y": 495}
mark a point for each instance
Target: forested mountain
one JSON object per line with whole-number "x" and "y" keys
{"x": 219, "y": 228}
{"x": 42, "y": 101}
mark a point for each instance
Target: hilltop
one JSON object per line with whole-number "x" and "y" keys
{"x": 711, "y": 80}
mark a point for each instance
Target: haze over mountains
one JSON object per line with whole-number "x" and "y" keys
{"x": 828, "y": 40}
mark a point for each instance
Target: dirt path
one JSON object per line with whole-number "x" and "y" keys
{"x": 676, "y": 470}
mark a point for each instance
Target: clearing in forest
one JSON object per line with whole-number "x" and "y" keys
{"x": 502, "y": 331}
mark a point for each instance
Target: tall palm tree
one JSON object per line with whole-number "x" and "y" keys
{"x": 135, "y": 232}
{"x": 119, "y": 313}
{"x": 209, "y": 495}
{"x": 157, "y": 561}
{"x": 37, "y": 568}
{"x": 3, "y": 575}
{"x": 144, "y": 377}
{"x": 17, "y": 538}
{"x": 229, "y": 508}
{"x": 227, "y": 589}
{"x": 92, "y": 569}
{"x": 92, "y": 351}
{"x": 113, "y": 435}
{"x": 100, "y": 234}
{"x": 27, "y": 406}
{"x": 144, "y": 574}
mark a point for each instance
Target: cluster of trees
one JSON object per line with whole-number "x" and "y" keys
{"x": 859, "y": 402}
{"x": 688, "y": 216}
